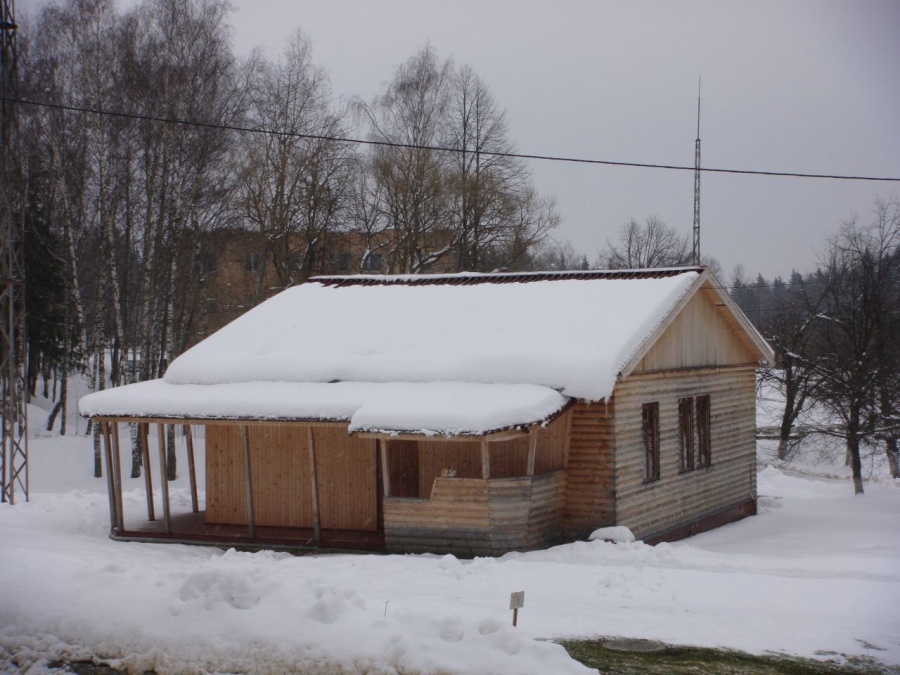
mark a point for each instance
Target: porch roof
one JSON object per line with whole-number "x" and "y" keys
{"x": 421, "y": 408}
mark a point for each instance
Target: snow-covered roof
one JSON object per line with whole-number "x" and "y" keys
{"x": 429, "y": 408}
{"x": 569, "y": 334}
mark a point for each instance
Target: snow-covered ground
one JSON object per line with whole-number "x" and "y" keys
{"x": 816, "y": 573}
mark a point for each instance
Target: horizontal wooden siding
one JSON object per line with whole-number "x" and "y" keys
{"x": 678, "y": 497}
{"x": 590, "y": 501}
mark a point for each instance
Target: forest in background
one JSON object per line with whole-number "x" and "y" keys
{"x": 122, "y": 210}
{"x": 153, "y": 141}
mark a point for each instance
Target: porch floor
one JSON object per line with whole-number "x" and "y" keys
{"x": 192, "y": 528}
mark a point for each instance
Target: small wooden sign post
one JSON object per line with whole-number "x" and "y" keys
{"x": 516, "y": 600}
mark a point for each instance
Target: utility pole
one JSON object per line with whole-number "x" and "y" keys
{"x": 696, "y": 249}
{"x": 14, "y": 456}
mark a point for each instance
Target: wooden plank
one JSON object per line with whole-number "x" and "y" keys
{"x": 485, "y": 461}
{"x": 281, "y": 476}
{"x": 347, "y": 481}
{"x": 248, "y": 475}
{"x": 226, "y": 493}
{"x": 117, "y": 467}
{"x": 110, "y": 475}
{"x": 163, "y": 476}
{"x": 317, "y": 520}
{"x": 144, "y": 434}
{"x": 189, "y": 441}
{"x": 490, "y": 437}
{"x": 385, "y": 466}
{"x": 532, "y": 451}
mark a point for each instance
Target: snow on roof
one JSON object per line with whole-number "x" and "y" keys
{"x": 572, "y": 335}
{"x": 458, "y": 354}
{"x": 430, "y": 408}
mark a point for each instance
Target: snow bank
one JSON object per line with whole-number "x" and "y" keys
{"x": 570, "y": 335}
{"x": 815, "y": 574}
{"x": 617, "y": 535}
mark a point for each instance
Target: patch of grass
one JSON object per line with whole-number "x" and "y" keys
{"x": 675, "y": 660}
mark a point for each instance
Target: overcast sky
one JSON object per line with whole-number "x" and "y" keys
{"x": 801, "y": 86}
{"x": 809, "y": 87}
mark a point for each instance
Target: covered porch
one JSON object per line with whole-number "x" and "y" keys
{"x": 301, "y": 485}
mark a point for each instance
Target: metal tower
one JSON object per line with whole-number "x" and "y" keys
{"x": 696, "y": 249}
{"x": 14, "y": 456}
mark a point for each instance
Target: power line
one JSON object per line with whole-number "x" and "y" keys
{"x": 435, "y": 148}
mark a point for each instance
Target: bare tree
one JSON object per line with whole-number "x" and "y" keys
{"x": 856, "y": 338}
{"x": 294, "y": 185}
{"x": 653, "y": 244}
{"x": 789, "y": 326}
{"x": 411, "y": 190}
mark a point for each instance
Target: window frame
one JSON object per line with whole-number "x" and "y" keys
{"x": 687, "y": 433}
{"x": 703, "y": 426}
{"x": 650, "y": 435}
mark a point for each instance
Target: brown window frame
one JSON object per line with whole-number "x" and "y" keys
{"x": 703, "y": 425}
{"x": 650, "y": 434}
{"x": 687, "y": 433}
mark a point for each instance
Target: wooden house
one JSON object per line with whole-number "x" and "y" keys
{"x": 473, "y": 414}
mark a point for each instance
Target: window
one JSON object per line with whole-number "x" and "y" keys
{"x": 693, "y": 432}
{"x": 205, "y": 262}
{"x": 686, "y": 433}
{"x": 704, "y": 446}
{"x": 372, "y": 263}
{"x": 253, "y": 262}
{"x": 650, "y": 428}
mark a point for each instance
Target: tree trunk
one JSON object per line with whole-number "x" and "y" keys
{"x": 98, "y": 470}
{"x": 137, "y": 449}
{"x": 893, "y": 455}
{"x": 853, "y": 451}
{"x": 171, "y": 468}
{"x": 783, "y": 447}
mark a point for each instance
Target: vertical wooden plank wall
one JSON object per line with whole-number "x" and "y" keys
{"x": 702, "y": 335}
{"x": 347, "y": 481}
{"x": 677, "y": 498}
{"x": 282, "y": 477}
{"x": 226, "y": 495}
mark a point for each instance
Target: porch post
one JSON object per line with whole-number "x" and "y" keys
{"x": 485, "y": 461}
{"x": 314, "y": 484}
{"x": 385, "y": 474}
{"x": 110, "y": 473}
{"x": 117, "y": 467}
{"x": 189, "y": 441}
{"x": 163, "y": 476}
{"x": 532, "y": 451}
{"x": 249, "y": 476}
{"x": 144, "y": 432}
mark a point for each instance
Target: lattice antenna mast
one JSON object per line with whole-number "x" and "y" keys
{"x": 696, "y": 249}
{"x": 14, "y": 456}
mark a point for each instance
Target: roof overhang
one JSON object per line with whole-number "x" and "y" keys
{"x": 378, "y": 410}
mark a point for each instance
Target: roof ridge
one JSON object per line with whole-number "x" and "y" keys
{"x": 474, "y": 278}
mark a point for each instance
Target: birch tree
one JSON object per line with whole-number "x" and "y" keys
{"x": 295, "y": 183}
{"x": 412, "y": 190}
